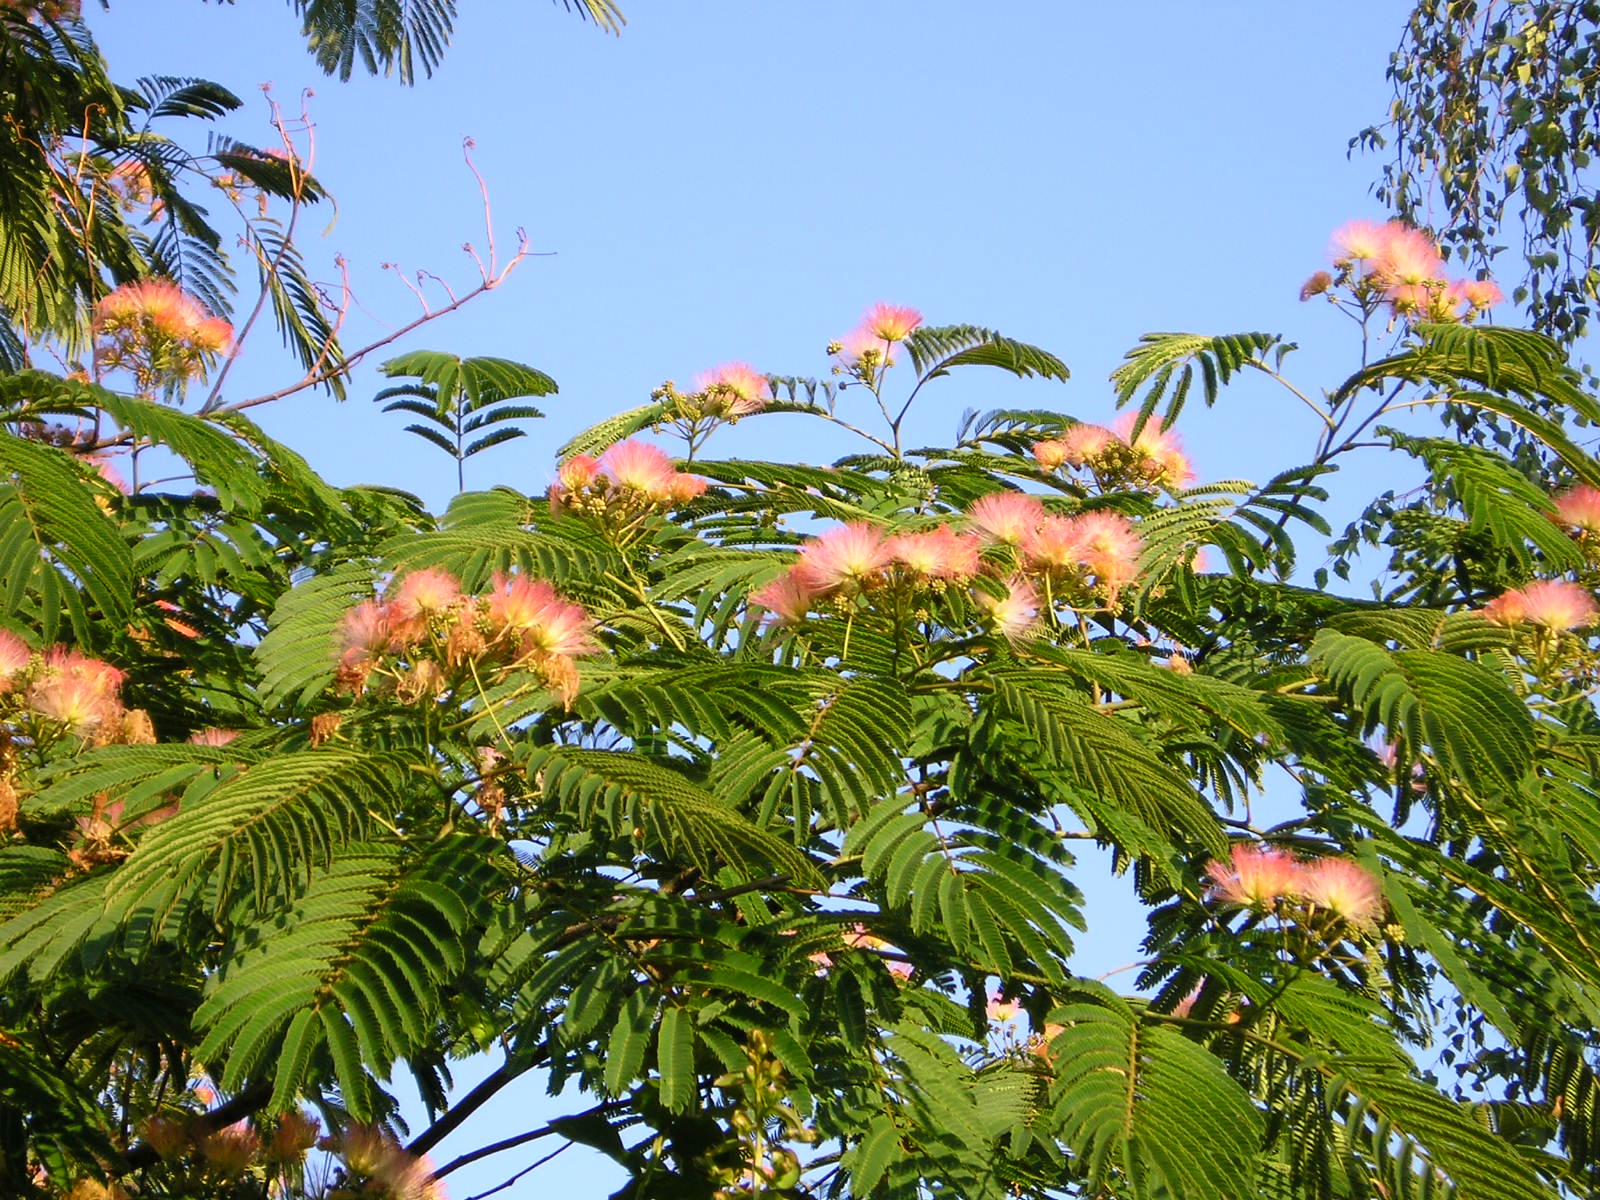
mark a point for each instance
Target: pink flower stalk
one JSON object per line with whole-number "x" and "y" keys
{"x": 940, "y": 553}
{"x": 1111, "y": 548}
{"x": 856, "y": 344}
{"x": 1005, "y": 518}
{"x": 1084, "y": 443}
{"x": 747, "y": 387}
{"x": 1164, "y": 460}
{"x": 1256, "y": 878}
{"x": 852, "y": 555}
{"x": 1579, "y": 507}
{"x": 640, "y": 467}
{"x": 1015, "y": 615}
{"x": 890, "y": 322}
{"x": 78, "y": 692}
{"x": 430, "y": 592}
{"x": 788, "y": 599}
{"x": 15, "y": 655}
{"x": 1552, "y": 603}
{"x": 1050, "y": 454}
{"x": 1340, "y": 887}
{"x": 1359, "y": 242}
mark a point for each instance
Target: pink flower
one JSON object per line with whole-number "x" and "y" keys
{"x": 1553, "y": 603}
{"x": 685, "y": 488}
{"x": 1083, "y": 443}
{"x": 890, "y": 322}
{"x": 1055, "y": 544}
{"x": 640, "y": 467}
{"x": 1050, "y": 453}
{"x": 426, "y": 593}
{"x": 1164, "y": 461}
{"x": 858, "y": 343}
{"x": 747, "y": 388}
{"x": 78, "y": 692}
{"x": 1256, "y": 878}
{"x": 365, "y": 634}
{"x": 1340, "y": 887}
{"x": 1410, "y": 256}
{"x": 1015, "y": 614}
{"x": 371, "y": 1152}
{"x": 212, "y": 737}
{"x": 940, "y": 553}
{"x": 1480, "y": 293}
{"x": 1005, "y": 518}
{"x": 1410, "y": 299}
{"x": 578, "y": 472}
{"x": 1579, "y": 507}
{"x": 788, "y": 599}
{"x": 538, "y": 618}
{"x": 1111, "y": 548}
{"x": 1358, "y": 241}
{"x": 15, "y": 655}
{"x": 1001, "y": 1011}
{"x": 847, "y": 555}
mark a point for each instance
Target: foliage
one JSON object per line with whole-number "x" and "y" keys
{"x": 1494, "y": 126}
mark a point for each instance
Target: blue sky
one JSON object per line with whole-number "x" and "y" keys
{"x": 737, "y": 180}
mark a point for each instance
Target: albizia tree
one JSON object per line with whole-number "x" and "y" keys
{"x": 748, "y": 797}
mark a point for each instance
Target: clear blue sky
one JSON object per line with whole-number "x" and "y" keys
{"x": 738, "y": 180}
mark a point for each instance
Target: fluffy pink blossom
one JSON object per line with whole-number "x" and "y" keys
{"x": 1111, "y": 548}
{"x": 892, "y": 323}
{"x": 1579, "y": 507}
{"x": 212, "y": 737}
{"x": 369, "y": 1151}
{"x": 1050, "y": 454}
{"x": 851, "y": 555}
{"x": 856, "y": 344}
{"x": 1015, "y": 614}
{"x": 747, "y": 388}
{"x": 15, "y": 655}
{"x": 640, "y": 467}
{"x": 364, "y": 634}
{"x": 1410, "y": 256}
{"x": 76, "y": 691}
{"x": 1084, "y": 443}
{"x": 685, "y": 487}
{"x": 1162, "y": 451}
{"x": 426, "y": 593}
{"x": 1551, "y": 603}
{"x": 939, "y": 553}
{"x": 1255, "y": 877}
{"x": 1481, "y": 293}
{"x": 1000, "y": 1011}
{"x": 1340, "y": 887}
{"x": 1358, "y": 241}
{"x": 1005, "y": 518}
{"x": 788, "y": 599}
{"x": 538, "y": 618}
{"x": 1054, "y": 544}
{"x": 578, "y": 472}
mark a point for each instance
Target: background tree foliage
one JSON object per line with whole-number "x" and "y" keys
{"x": 748, "y": 796}
{"x": 1492, "y": 135}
